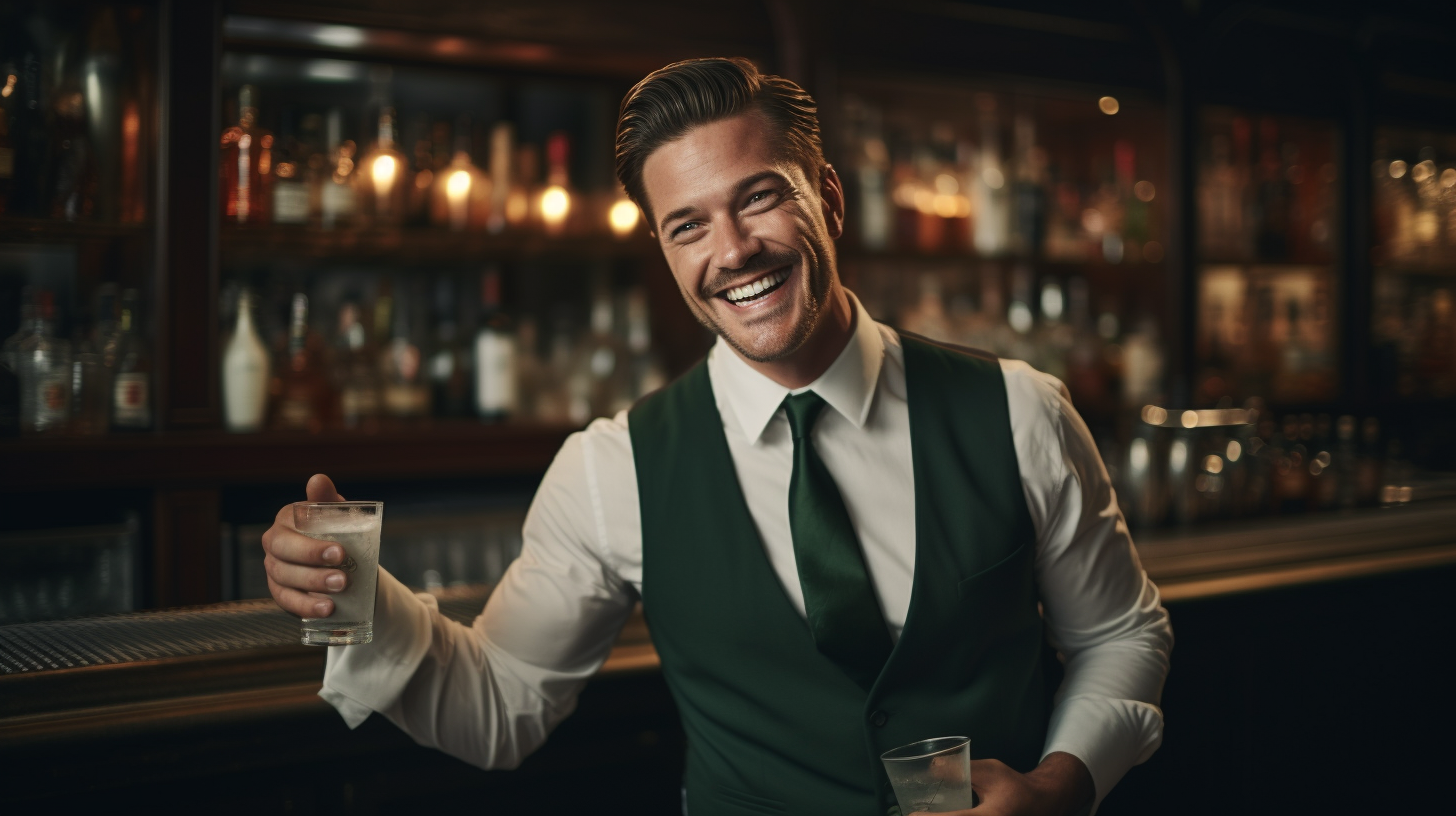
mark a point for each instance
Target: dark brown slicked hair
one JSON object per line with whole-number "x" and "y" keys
{"x": 670, "y": 101}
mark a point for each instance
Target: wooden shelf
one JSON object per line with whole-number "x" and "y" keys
{"x": 419, "y": 245}
{"x": 49, "y": 230}
{"x": 855, "y": 254}
{"x": 441, "y": 448}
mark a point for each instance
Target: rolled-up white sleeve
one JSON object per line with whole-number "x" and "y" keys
{"x": 490, "y": 693}
{"x": 1103, "y": 614}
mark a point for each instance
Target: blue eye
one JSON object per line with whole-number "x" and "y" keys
{"x": 685, "y": 227}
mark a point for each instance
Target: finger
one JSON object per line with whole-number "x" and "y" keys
{"x": 300, "y": 604}
{"x": 287, "y": 544}
{"x": 308, "y": 579}
{"x": 321, "y": 489}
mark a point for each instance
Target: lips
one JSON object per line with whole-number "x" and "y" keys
{"x": 753, "y": 290}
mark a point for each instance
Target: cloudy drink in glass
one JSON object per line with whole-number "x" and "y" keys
{"x": 355, "y": 526}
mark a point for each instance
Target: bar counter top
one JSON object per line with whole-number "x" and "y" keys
{"x": 192, "y": 666}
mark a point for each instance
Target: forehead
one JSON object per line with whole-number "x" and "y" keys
{"x": 709, "y": 159}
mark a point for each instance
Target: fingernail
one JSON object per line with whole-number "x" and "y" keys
{"x": 321, "y": 609}
{"x": 333, "y": 555}
{"x": 335, "y": 581}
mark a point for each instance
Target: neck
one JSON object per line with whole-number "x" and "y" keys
{"x": 819, "y": 351}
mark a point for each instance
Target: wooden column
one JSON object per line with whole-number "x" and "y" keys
{"x": 187, "y": 344}
{"x": 186, "y": 551}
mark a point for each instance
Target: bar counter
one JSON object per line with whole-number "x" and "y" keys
{"x": 220, "y": 695}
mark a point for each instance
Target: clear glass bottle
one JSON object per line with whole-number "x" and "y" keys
{"x": 244, "y": 372}
{"x": 462, "y": 194}
{"x": 131, "y": 401}
{"x": 383, "y": 177}
{"x": 290, "y": 177}
{"x": 404, "y": 387}
{"x": 43, "y": 362}
{"x": 337, "y": 201}
{"x": 245, "y": 167}
{"x": 602, "y": 368}
{"x": 557, "y": 200}
{"x": 355, "y": 379}
{"x": 298, "y": 388}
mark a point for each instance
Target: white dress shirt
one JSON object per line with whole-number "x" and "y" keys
{"x": 490, "y": 693}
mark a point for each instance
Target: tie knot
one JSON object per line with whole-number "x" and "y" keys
{"x": 803, "y": 409}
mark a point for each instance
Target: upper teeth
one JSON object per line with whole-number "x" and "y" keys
{"x": 748, "y": 290}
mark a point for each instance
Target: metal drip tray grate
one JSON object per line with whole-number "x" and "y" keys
{"x": 129, "y": 638}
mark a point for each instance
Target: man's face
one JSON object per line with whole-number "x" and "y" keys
{"x": 748, "y": 238}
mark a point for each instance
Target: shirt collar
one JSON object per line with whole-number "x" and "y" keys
{"x": 848, "y": 385}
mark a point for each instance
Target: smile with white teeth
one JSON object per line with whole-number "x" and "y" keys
{"x": 758, "y": 288}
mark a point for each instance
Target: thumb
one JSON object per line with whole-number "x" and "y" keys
{"x": 321, "y": 489}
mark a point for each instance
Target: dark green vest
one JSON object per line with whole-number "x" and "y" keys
{"x": 773, "y": 726}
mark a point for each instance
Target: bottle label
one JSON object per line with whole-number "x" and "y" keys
{"x": 290, "y": 202}
{"x": 495, "y": 373}
{"x": 131, "y": 400}
{"x": 53, "y": 401}
{"x": 7, "y": 162}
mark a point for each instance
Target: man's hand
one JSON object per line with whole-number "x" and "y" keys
{"x": 298, "y": 566}
{"x": 1059, "y": 786}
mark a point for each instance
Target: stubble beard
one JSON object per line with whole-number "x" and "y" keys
{"x": 791, "y": 339}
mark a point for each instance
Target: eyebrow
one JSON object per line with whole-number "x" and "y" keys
{"x": 738, "y": 188}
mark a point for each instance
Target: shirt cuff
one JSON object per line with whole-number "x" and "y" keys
{"x": 1108, "y": 735}
{"x": 370, "y": 677}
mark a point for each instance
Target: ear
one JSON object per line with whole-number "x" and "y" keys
{"x": 831, "y": 198}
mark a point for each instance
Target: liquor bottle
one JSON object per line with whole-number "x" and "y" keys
{"x": 993, "y": 202}
{"x": 352, "y": 370}
{"x": 1029, "y": 198}
{"x": 71, "y": 178}
{"x": 533, "y": 377}
{"x": 523, "y": 200}
{"x": 337, "y": 200}
{"x": 131, "y": 404}
{"x": 382, "y": 180}
{"x": 404, "y": 388}
{"x": 420, "y": 138}
{"x": 601, "y": 371}
{"x": 244, "y": 372}
{"x": 928, "y": 318}
{"x": 871, "y": 174}
{"x": 101, "y": 69}
{"x": 648, "y": 374}
{"x": 462, "y": 194}
{"x": 450, "y": 369}
{"x": 298, "y": 387}
{"x": 495, "y": 354}
{"x": 290, "y": 181}
{"x": 246, "y": 165}
{"x": 502, "y": 139}
{"x": 1052, "y": 337}
{"x": 43, "y": 363}
{"x": 556, "y": 199}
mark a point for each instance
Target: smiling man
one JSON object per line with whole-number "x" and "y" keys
{"x": 844, "y": 538}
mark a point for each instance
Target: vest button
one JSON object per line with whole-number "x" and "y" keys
{"x": 879, "y": 718}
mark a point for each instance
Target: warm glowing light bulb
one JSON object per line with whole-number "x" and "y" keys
{"x": 623, "y": 218}
{"x": 457, "y": 187}
{"x": 457, "y": 198}
{"x": 1144, "y": 190}
{"x": 1108, "y": 105}
{"x": 555, "y": 203}
{"x": 383, "y": 170}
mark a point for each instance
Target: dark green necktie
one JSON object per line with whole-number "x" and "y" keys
{"x": 843, "y": 612}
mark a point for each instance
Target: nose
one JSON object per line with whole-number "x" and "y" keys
{"x": 736, "y": 246}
